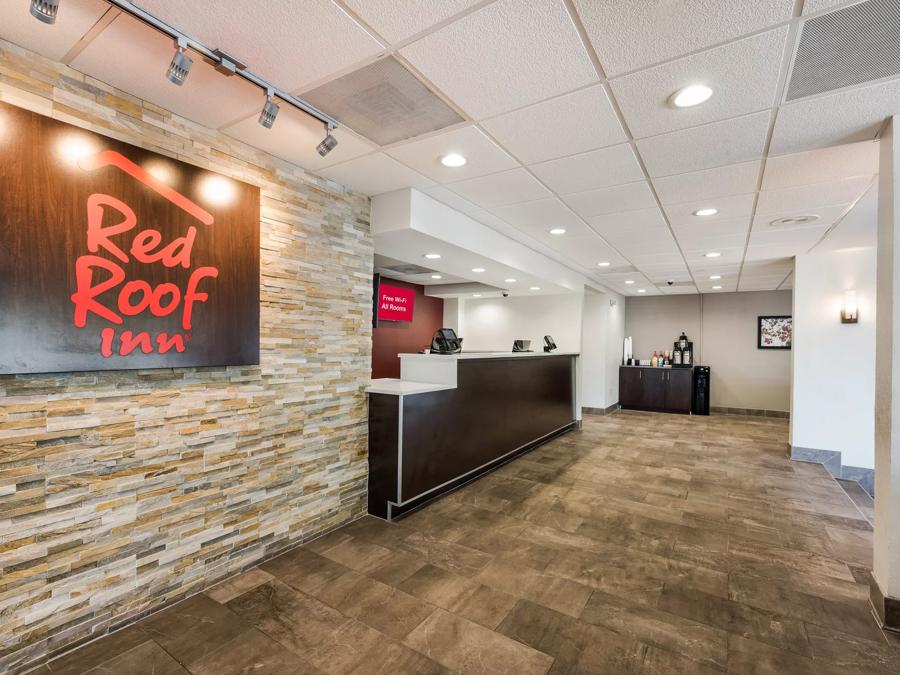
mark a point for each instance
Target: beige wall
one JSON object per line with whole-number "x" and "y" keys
{"x": 723, "y": 329}
{"x": 126, "y": 490}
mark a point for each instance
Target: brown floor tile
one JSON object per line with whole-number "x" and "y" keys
{"x": 253, "y": 653}
{"x": 238, "y": 585}
{"x": 193, "y": 629}
{"x": 148, "y": 658}
{"x": 563, "y": 595}
{"x": 466, "y": 647}
{"x": 95, "y": 653}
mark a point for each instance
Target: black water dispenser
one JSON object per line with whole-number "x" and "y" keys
{"x": 700, "y": 404}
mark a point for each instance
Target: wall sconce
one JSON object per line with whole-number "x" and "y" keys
{"x": 850, "y": 309}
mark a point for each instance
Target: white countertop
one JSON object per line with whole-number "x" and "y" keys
{"x": 484, "y": 355}
{"x": 389, "y": 385}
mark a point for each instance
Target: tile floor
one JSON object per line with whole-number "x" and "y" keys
{"x": 641, "y": 544}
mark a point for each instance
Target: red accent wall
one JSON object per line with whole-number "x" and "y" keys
{"x": 399, "y": 337}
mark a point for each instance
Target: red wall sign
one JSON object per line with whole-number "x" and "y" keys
{"x": 115, "y": 257}
{"x": 395, "y": 304}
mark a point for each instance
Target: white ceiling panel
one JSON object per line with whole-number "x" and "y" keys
{"x": 629, "y": 221}
{"x": 812, "y": 6}
{"x": 828, "y": 215}
{"x": 591, "y": 170}
{"x": 631, "y": 35}
{"x": 718, "y": 229}
{"x": 810, "y": 198}
{"x": 294, "y": 138}
{"x": 846, "y": 117}
{"x": 728, "y": 256}
{"x": 821, "y": 166}
{"x": 711, "y": 243}
{"x": 375, "y": 174}
{"x": 717, "y": 144}
{"x": 397, "y": 20}
{"x": 542, "y": 213}
{"x": 743, "y": 76}
{"x": 702, "y": 185}
{"x": 75, "y": 18}
{"x": 630, "y": 197}
{"x": 508, "y": 187}
{"x": 659, "y": 242}
{"x": 483, "y": 156}
{"x": 566, "y": 125}
{"x": 293, "y": 44}
{"x": 784, "y": 243}
{"x": 587, "y": 250}
{"x": 142, "y": 56}
{"x": 730, "y": 208}
{"x": 504, "y": 56}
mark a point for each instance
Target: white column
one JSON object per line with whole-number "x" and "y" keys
{"x": 887, "y": 383}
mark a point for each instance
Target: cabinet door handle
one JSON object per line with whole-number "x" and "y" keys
{"x": 640, "y": 374}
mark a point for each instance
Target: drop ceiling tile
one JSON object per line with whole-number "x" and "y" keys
{"x": 657, "y": 243}
{"x": 721, "y": 181}
{"x": 542, "y": 213}
{"x": 730, "y": 209}
{"x": 629, "y": 221}
{"x": 810, "y": 198}
{"x": 506, "y": 55}
{"x": 712, "y": 243}
{"x": 720, "y": 228}
{"x": 812, "y": 6}
{"x": 75, "y": 18}
{"x": 293, "y": 44}
{"x": 821, "y": 166}
{"x": 728, "y": 256}
{"x": 845, "y": 117}
{"x": 743, "y": 76}
{"x": 787, "y": 242}
{"x": 590, "y": 170}
{"x": 483, "y": 156}
{"x": 566, "y": 125}
{"x": 498, "y": 189}
{"x": 142, "y": 56}
{"x": 375, "y": 174}
{"x": 294, "y": 138}
{"x": 631, "y": 35}
{"x": 586, "y": 250}
{"x": 828, "y": 215}
{"x": 397, "y": 20}
{"x": 630, "y": 197}
{"x": 736, "y": 140}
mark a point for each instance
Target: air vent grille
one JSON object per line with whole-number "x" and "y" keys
{"x": 409, "y": 269}
{"x": 384, "y": 102}
{"x": 853, "y": 45}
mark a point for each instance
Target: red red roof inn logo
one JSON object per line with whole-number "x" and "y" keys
{"x": 115, "y": 257}
{"x": 135, "y": 296}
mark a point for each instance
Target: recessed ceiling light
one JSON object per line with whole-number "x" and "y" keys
{"x": 794, "y": 220}
{"x": 535, "y": 288}
{"x": 558, "y": 230}
{"x": 476, "y": 295}
{"x": 478, "y": 269}
{"x": 436, "y": 276}
{"x": 713, "y": 277}
{"x": 713, "y": 254}
{"x": 706, "y": 212}
{"x": 716, "y": 288}
{"x": 603, "y": 264}
{"x": 692, "y": 95}
{"x": 630, "y": 281}
{"x": 509, "y": 281}
{"x": 641, "y": 290}
{"x": 453, "y": 160}
{"x": 432, "y": 256}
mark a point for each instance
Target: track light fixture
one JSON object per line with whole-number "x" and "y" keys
{"x": 45, "y": 10}
{"x": 328, "y": 144}
{"x": 269, "y": 111}
{"x": 181, "y": 64}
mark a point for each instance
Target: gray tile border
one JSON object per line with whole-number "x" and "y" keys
{"x": 831, "y": 460}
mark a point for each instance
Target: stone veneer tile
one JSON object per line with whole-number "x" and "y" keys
{"x": 125, "y": 491}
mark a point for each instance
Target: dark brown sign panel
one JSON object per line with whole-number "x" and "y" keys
{"x": 114, "y": 257}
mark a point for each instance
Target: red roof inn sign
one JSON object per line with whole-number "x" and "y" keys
{"x": 115, "y": 257}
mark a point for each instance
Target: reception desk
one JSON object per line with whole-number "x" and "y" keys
{"x": 451, "y": 418}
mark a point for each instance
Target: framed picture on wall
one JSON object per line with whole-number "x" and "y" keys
{"x": 774, "y": 332}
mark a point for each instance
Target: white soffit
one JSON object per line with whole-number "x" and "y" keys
{"x": 504, "y": 56}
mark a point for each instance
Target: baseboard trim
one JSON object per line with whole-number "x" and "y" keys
{"x": 600, "y": 411}
{"x": 886, "y": 608}
{"x": 750, "y": 412}
{"x": 831, "y": 460}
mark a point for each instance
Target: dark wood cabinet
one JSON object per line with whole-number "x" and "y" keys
{"x": 662, "y": 389}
